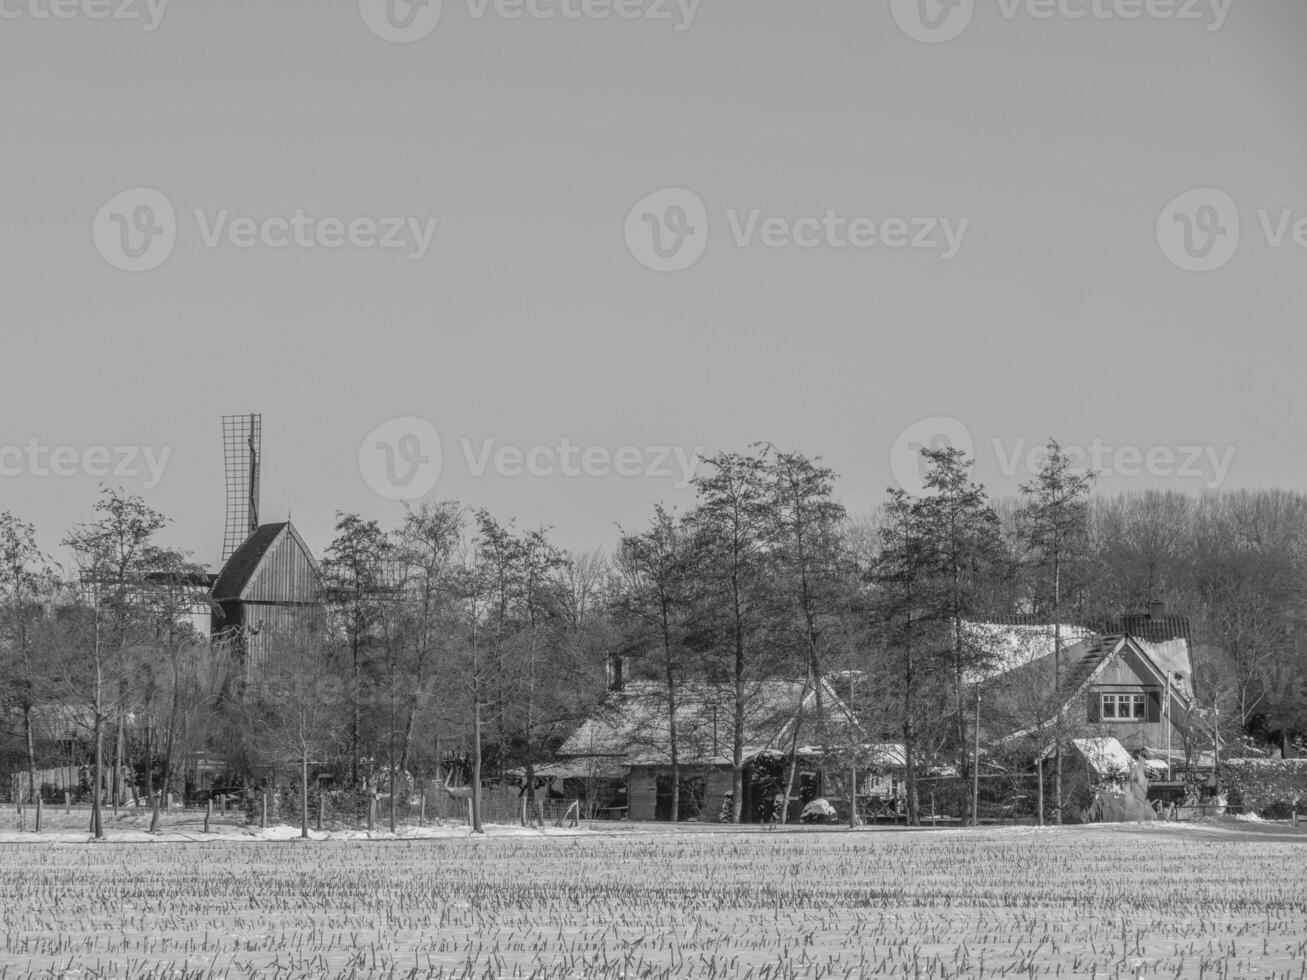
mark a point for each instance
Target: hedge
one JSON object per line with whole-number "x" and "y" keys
{"x": 1263, "y": 783}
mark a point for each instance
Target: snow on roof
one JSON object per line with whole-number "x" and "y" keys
{"x": 1172, "y": 657}
{"x": 595, "y": 767}
{"x": 1010, "y": 646}
{"x": 1106, "y": 756}
{"x": 632, "y": 724}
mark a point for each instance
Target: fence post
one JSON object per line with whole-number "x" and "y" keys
{"x": 22, "y": 819}
{"x": 68, "y": 803}
{"x": 263, "y": 815}
{"x": 372, "y": 811}
{"x": 39, "y": 802}
{"x": 208, "y": 813}
{"x": 469, "y": 811}
{"x": 540, "y": 807}
{"x": 422, "y": 808}
{"x": 322, "y": 806}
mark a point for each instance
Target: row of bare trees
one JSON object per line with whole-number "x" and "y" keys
{"x": 458, "y": 636}
{"x": 105, "y": 657}
{"x": 455, "y": 636}
{"x": 766, "y": 576}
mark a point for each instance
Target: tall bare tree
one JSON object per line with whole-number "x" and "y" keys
{"x": 653, "y": 607}
{"x": 291, "y": 719}
{"x": 812, "y": 582}
{"x": 966, "y": 555}
{"x": 1055, "y": 527}
{"x": 359, "y": 588}
{"x": 112, "y": 555}
{"x": 732, "y": 530}
{"x": 26, "y": 579}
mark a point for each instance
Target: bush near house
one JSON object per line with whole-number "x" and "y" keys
{"x": 1259, "y": 785}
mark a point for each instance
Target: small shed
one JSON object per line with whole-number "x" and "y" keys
{"x": 1111, "y": 785}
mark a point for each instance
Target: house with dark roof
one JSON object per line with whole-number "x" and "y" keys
{"x": 1134, "y": 690}
{"x": 271, "y": 586}
{"x": 1135, "y": 686}
{"x": 627, "y": 739}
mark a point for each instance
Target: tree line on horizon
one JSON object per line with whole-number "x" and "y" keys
{"x": 455, "y": 635}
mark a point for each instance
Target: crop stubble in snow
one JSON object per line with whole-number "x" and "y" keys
{"x": 1064, "y": 903}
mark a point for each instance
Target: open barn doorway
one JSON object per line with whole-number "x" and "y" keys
{"x": 693, "y": 791}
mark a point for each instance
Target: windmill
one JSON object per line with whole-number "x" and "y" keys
{"x": 242, "y": 443}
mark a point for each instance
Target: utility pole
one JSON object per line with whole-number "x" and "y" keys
{"x": 975, "y": 767}
{"x": 853, "y": 766}
{"x": 1216, "y": 752}
{"x": 1166, "y": 713}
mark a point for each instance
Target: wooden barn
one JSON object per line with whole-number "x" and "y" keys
{"x": 271, "y": 586}
{"x": 629, "y": 733}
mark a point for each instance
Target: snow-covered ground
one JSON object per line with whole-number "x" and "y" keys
{"x": 131, "y": 826}
{"x": 1221, "y": 897}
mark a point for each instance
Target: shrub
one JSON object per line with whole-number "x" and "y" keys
{"x": 1261, "y": 784}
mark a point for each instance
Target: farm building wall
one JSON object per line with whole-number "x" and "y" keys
{"x": 719, "y": 783}
{"x": 643, "y": 793}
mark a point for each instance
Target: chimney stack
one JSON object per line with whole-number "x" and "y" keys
{"x": 1156, "y": 609}
{"x": 615, "y": 666}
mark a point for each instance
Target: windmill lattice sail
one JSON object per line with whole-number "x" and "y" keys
{"x": 242, "y": 447}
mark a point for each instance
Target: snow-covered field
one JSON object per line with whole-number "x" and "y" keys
{"x": 1220, "y": 899}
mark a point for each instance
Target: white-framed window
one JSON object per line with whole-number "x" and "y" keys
{"x": 1123, "y": 707}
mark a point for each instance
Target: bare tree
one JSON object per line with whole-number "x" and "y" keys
{"x": 25, "y": 581}
{"x": 732, "y": 562}
{"x": 428, "y": 544}
{"x": 965, "y": 554}
{"x": 357, "y": 566}
{"x": 652, "y": 604}
{"x": 1055, "y": 529}
{"x": 812, "y": 583}
{"x": 291, "y": 719}
{"x": 112, "y": 555}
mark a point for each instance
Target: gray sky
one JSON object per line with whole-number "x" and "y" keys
{"x": 1059, "y": 142}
